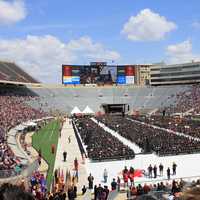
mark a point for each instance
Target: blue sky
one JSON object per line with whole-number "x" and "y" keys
{"x": 40, "y": 35}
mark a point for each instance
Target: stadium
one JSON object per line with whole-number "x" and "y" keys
{"x": 99, "y": 100}
{"x": 55, "y": 138}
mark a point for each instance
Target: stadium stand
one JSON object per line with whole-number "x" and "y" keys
{"x": 187, "y": 100}
{"x": 11, "y": 72}
{"x": 13, "y": 111}
{"x": 65, "y": 99}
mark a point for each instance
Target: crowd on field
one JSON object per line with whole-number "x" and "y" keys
{"x": 150, "y": 138}
{"x": 185, "y": 125}
{"x": 100, "y": 144}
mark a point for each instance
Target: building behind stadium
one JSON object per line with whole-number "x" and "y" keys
{"x": 186, "y": 73}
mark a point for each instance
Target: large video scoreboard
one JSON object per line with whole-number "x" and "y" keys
{"x": 98, "y": 73}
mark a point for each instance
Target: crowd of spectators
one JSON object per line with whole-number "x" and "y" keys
{"x": 188, "y": 100}
{"x": 38, "y": 186}
{"x": 175, "y": 190}
{"x": 150, "y": 138}
{"x": 100, "y": 144}
{"x": 13, "y": 111}
{"x": 101, "y": 193}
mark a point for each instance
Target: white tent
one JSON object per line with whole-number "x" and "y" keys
{"x": 76, "y": 110}
{"x": 88, "y": 110}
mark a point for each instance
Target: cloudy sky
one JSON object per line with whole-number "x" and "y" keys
{"x": 41, "y": 35}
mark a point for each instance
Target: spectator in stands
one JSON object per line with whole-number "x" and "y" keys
{"x": 99, "y": 192}
{"x": 71, "y": 193}
{"x": 38, "y": 185}
{"x": 95, "y": 192}
{"x": 13, "y": 192}
{"x": 14, "y": 110}
{"x": 175, "y": 187}
{"x": 192, "y": 193}
{"x": 106, "y": 191}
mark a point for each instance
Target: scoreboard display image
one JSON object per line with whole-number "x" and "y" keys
{"x": 75, "y": 71}
{"x": 71, "y": 75}
{"x": 98, "y": 73}
{"x": 121, "y": 71}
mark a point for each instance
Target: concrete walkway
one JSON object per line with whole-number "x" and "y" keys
{"x": 73, "y": 152}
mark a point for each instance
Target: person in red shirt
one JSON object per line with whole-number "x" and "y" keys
{"x": 76, "y": 164}
{"x": 53, "y": 148}
{"x": 125, "y": 177}
{"x": 146, "y": 188}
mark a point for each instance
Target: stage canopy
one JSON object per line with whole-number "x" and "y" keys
{"x": 88, "y": 110}
{"x": 76, "y": 110}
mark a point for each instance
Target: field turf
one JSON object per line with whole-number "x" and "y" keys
{"x": 42, "y": 140}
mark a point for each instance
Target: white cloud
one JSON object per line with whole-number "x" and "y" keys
{"x": 147, "y": 26}
{"x": 12, "y": 12}
{"x": 182, "y": 52}
{"x": 43, "y": 56}
{"x": 90, "y": 50}
{"x": 196, "y": 24}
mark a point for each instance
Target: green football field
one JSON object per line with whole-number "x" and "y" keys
{"x": 42, "y": 140}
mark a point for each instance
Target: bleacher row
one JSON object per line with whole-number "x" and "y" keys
{"x": 65, "y": 99}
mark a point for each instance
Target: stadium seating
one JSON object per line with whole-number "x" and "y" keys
{"x": 65, "y": 99}
{"x": 13, "y": 112}
{"x": 11, "y": 72}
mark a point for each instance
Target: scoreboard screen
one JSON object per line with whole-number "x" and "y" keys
{"x": 97, "y": 73}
